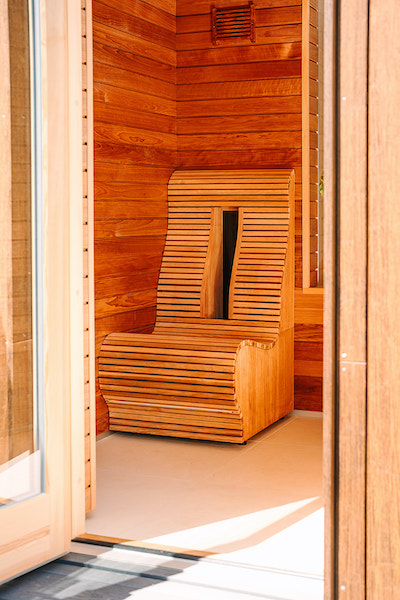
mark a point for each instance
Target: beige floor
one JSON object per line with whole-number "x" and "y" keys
{"x": 258, "y": 504}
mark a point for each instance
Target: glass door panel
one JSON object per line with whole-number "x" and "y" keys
{"x": 20, "y": 451}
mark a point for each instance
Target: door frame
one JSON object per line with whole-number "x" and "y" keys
{"x": 354, "y": 501}
{"x": 39, "y": 529}
{"x": 345, "y": 325}
{"x": 362, "y": 311}
{"x": 359, "y": 41}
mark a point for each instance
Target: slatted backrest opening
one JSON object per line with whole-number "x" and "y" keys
{"x": 196, "y": 202}
{"x": 257, "y": 274}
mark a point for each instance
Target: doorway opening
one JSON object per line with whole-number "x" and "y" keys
{"x": 198, "y": 496}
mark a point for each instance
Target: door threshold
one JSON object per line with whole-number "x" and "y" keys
{"x": 138, "y": 546}
{"x": 194, "y": 556}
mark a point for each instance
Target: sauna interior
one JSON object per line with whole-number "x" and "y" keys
{"x": 161, "y": 95}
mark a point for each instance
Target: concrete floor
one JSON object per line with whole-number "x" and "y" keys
{"x": 258, "y": 504}
{"x": 253, "y": 513}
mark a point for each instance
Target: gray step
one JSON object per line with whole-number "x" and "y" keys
{"x": 121, "y": 574}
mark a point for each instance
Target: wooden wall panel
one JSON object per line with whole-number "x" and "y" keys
{"x": 241, "y": 106}
{"x": 308, "y": 347}
{"x": 237, "y": 106}
{"x": 135, "y": 154}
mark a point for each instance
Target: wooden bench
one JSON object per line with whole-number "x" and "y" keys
{"x": 219, "y": 363}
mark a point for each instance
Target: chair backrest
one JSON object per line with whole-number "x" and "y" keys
{"x": 183, "y": 263}
{"x": 190, "y": 283}
{"x": 257, "y": 274}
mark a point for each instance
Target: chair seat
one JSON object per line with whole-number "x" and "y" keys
{"x": 213, "y": 332}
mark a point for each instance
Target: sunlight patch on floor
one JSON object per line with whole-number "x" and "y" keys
{"x": 259, "y": 504}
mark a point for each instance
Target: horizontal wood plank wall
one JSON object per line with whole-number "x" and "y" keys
{"x": 308, "y": 333}
{"x": 240, "y": 106}
{"x": 135, "y": 153}
{"x": 308, "y": 348}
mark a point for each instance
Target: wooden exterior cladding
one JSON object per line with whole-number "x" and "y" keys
{"x": 362, "y": 310}
{"x": 166, "y": 97}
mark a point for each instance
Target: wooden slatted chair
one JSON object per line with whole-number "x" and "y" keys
{"x": 202, "y": 373}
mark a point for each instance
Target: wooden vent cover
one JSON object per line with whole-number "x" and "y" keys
{"x": 232, "y": 23}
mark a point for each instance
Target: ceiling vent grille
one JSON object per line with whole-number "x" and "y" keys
{"x": 233, "y": 23}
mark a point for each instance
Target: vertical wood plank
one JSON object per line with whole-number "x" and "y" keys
{"x": 346, "y": 264}
{"x": 58, "y": 314}
{"x": 383, "y": 466}
{"x": 305, "y": 147}
{"x": 211, "y": 296}
{"x": 5, "y": 231}
{"x": 353, "y": 179}
{"x": 88, "y": 257}
{"x": 352, "y": 281}
{"x": 351, "y": 486}
{"x": 329, "y": 348}
{"x": 75, "y": 131}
